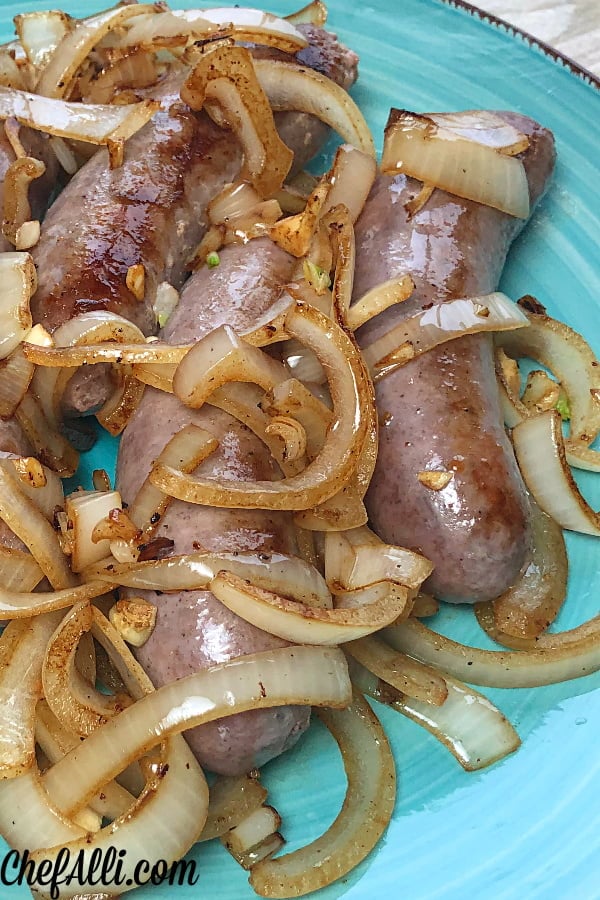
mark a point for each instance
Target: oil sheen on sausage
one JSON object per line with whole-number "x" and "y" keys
{"x": 194, "y": 630}
{"x": 441, "y": 411}
{"x": 150, "y": 211}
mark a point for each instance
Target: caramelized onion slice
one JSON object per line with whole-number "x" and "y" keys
{"x": 274, "y": 571}
{"x": 19, "y": 281}
{"x": 18, "y": 570}
{"x": 91, "y": 123}
{"x": 16, "y": 373}
{"x": 367, "y": 809}
{"x": 231, "y": 800}
{"x": 314, "y": 13}
{"x": 57, "y": 76}
{"x": 467, "y": 724}
{"x": 540, "y": 450}
{"x": 301, "y": 624}
{"x": 17, "y": 226}
{"x": 378, "y": 299}
{"x": 571, "y": 360}
{"x": 351, "y": 394}
{"x": 40, "y": 33}
{"x": 357, "y": 558}
{"x": 442, "y": 322}
{"x": 464, "y": 167}
{"x": 22, "y": 646}
{"x": 288, "y": 86}
{"x": 227, "y": 76}
{"x": 306, "y": 675}
{"x": 20, "y": 604}
{"x": 557, "y": 657}
{"x": 398, "y": 670}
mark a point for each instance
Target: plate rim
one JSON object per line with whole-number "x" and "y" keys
{"x": 555, "y": 55}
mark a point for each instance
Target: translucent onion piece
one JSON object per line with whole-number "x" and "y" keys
{"x": 315, "y": 13}
{"x": 304, "y": 675}
{"x": 18, "y": 570}
{"x": 467, "y": 724}
{"x": 424, "y": 606}
{"x": 274, "y": 571}
{"x": 441, "y": 323}
{"x": 58, "y": 75}
{"x": 85, "y": 509}
{"x": 400, "y": 671}
{"x": 72, "y": 356}
{"x": 290, "y": 87}
{"x": 94, "y": 124}
{"x": 414, "y": 145}
{"x": 56, "y": 742}
{"x": 367, "y": 810}
{"x": 232, "y": 799}
{"x": 531, "y": 605}
{"x": 11, "y": 75}
{"x": 136, "y": 70}
{"x": 16, "y": 373}
{"x": 557, "y": 657}
{"x": 540, "y": 451}
{"x": 227, "y": 75}
{"x": 541, "y": 392}
{"x": 218, "y": 358}
{"x": 357, "y": 558}
{"x": 39, "y": 822}
{"x": 291, "y": 398}
{"x": 19, "y": 281}
{"x": 180, "y": 27}
{"x": 186, "y": 450}
{"x": 17, "y": 210}
{"x": 47, "y": 496}
{"x": 259, "y": 825}
{"x": 51, "y": 447}
{"x": 31, "y": 526}
{"x": 378, "y": 299}
{"x": 235, "y": 200}
{"x": 302, "y": 624}
{"x": 40, "y": 33}
{"x": 20, "y": 604}
{"x": 22, "y": 646}
{"x": 351, "y": 395}
{"x": 570, "y": 358}
{"x": 483, "y": 127}
{"x": 351, "y": 178}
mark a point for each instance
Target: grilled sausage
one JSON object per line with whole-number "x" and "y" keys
{"x": 194, "y": 630}
{"x": 150, "y": 211}
{"x": 442, "y": 409}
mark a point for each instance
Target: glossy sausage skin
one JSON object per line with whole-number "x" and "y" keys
{"x": 150, "y": 211}
{"x": 193, "y": 629}
{"x": 442, "y": 409}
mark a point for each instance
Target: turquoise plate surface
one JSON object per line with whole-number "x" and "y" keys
{"x": 529, "y": 827}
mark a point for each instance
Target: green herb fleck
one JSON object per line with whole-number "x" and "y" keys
{"x": 562, "y": 405}
{"x": 213, "y": 260}
{"x": 317, "y": 277}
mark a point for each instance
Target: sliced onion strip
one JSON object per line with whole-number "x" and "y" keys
{"x": 16, "y": 373}
{"x": 378, "y": 299}
{"x": 467, "y": 724}
{"x": 17, "y": 209}
{"x": 301, "y": 624}
{"x": 400, "y": 671}
{"x": 557, "y": 657}
{"x": 442, "y": 322}
{"x": 458, "y": 164}
{"x": 40, "y": 33}
{"x": 51, "y": 447}
{"x": 232, "y": 799}
{"x": 18, "y": 570}
{"x": 19, "y": 281}
{"x": 540, "y": 450}
{"x": 288, "y": 86}
{"x": 349, "y": 390}
{"x": 357, "y": 558}
{"x": 367, "y": 810}
{"x": 314, "y": 13}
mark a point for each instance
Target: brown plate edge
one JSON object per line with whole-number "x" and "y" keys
{"x": 568, "y": 63}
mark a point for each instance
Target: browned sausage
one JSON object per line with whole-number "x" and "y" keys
{"x": 442, "y": 409}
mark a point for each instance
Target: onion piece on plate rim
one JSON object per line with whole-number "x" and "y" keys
{"x": 415, "y": 145}
{"x": 467, "y": 724}
{"x": 323, "y": 477}
{"x": 540, "y": 451}
{"x": 365, "y": 814}
{"x": 442, "y": 322}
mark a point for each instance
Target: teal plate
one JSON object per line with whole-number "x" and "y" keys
{"x": 529, "y": 827}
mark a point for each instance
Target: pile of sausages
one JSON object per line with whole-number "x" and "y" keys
{"x": 441, "y": 408}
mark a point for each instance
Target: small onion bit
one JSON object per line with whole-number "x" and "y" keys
{"x": 351, "y": 395}
{"x": 467, "y": 724}
{"x": 461, "y": 164}
{"x": 254, "y": 838}
{"x": 365, "y": 814}
{"x": 227, "y": 76}
{"x": 17, "y": 226}
{"x": 540, "y": 451}
{"x": 442, "y": 322}
{"x": 314, "y": 13}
